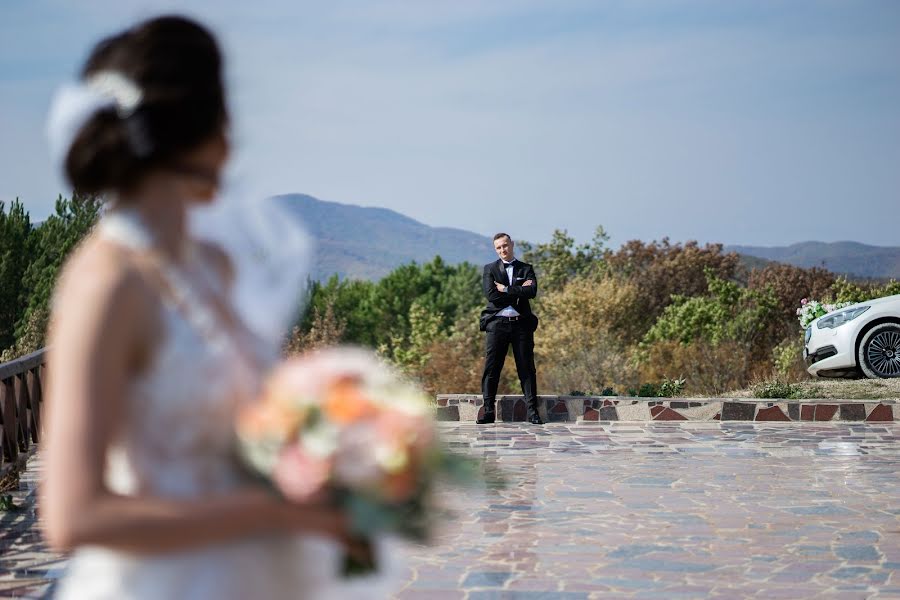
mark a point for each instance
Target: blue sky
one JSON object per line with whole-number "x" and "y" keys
{"x": 746, "y": 122}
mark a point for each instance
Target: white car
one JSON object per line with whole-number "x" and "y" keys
{"x": 859, "y": 339}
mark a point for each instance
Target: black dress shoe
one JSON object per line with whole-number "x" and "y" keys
{"x": 486, "y": 418}
{"x": 536, "y": 420}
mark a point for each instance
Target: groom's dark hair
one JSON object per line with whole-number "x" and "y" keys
{"x": 177, "y": 66}
{"x": 502, "y": 235}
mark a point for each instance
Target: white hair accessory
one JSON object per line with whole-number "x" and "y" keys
{"x": 74, "y": 104}
{"x": 124, "y": 92}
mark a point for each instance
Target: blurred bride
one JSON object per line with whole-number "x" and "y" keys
{"x": 149, "y": 360}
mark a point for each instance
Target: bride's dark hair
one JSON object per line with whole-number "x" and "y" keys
{"x": 177, "y": 66}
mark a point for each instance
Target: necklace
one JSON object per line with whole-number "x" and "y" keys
{"x": 177, "y": 288}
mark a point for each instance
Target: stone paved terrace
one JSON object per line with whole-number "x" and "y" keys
{"x": 644, "y": 510}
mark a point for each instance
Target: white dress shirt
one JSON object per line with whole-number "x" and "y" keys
{"x": 509, "y": 311}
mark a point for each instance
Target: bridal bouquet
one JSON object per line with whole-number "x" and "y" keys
{"x": 343, "y": 423}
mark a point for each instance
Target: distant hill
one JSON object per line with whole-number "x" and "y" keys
{"x": 368, "y": 243}
{"x": 845, "y": 258}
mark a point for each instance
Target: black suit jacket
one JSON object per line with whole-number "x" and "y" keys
{"x": 517, "y": 295}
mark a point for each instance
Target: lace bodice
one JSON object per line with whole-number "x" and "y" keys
{"x": 176, "y": 436}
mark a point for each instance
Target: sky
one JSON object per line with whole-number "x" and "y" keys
{"x": 743, "y": 122}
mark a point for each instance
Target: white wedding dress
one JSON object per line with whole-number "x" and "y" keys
{"x": 177, "y": 442}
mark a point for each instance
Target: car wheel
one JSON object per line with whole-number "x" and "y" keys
{"x": 879, "y": 351}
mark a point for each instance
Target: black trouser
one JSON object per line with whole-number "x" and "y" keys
{"x": 501, "y": 333}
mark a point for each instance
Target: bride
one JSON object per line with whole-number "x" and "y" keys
{"x": 148, "y": 358}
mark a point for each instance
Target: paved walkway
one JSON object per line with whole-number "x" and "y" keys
{"x": 671, "y": 510}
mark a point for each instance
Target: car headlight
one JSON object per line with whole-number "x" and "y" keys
{"x": 838, "y": 319}
{"x": 807, "y": 335}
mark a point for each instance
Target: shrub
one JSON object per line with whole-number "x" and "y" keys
{"x": 667, "y": 388}
{"x": 455, "y": 362}
{"x": 660, "y": 270}
{"x": 580, "y": 344}
{"x": 788, "y": 283}
{"x": 776, "y": 390}
{"x": 325, "y": 329}
{"x": 787, "y": 358}
{"x": 670, "y": 388}
{"x": 708, "y": 369}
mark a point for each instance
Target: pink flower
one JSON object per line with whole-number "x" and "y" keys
{"x": 803, "y": 302}
{"x": 299, "y": 475}
{"x": 415, "y": 431}
{"x": 355, "y": 463}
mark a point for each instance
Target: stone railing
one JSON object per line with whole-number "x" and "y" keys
{"x": 20, "y": 409}
{"x": 572, "y": 409}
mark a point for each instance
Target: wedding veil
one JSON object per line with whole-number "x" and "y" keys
{"x": 271, "y": 253}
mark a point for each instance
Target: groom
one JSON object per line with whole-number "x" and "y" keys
{"x": 508, "y": 285}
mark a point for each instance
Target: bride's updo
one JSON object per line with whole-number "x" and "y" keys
{"x": 171, "y": 71}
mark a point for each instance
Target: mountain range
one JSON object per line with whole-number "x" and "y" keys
{"x": 844, "y": 258}
{"x": 368, "y": 243}
{"x": 360, "y": 242}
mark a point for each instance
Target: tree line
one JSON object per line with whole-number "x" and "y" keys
{"x": 31, "y": 255}
{"x": 611, "y": 320}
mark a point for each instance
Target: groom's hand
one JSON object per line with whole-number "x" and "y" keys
{"x": 500, "y": 286}
{"x": 528, "y": 282}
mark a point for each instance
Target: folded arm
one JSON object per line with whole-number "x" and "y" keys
{"x": 489, "y": 286}
{"x": 528, "y": 289}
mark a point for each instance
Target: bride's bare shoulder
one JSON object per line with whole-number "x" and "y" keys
{"x": 98, "y": 268}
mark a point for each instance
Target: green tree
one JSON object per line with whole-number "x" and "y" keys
{"x": 348, "y": 299}
{"x": 15, "y": 254}
{"x": 52, "y": 242}
{"x": 728, "y": 312}
{"x": 845, "y": 290}
{"x": 560, "y": 260}
{"x": 412, "y": 352}
{"x": 662, "y": 270}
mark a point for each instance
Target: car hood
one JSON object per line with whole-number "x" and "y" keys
{"x": 877, "y": 301}
{"x": 873, "y": 302}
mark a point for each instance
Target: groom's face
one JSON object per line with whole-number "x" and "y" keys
{"x": 504, "y": 248}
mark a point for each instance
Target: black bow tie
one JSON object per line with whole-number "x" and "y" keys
{"x": 508, "y": 264}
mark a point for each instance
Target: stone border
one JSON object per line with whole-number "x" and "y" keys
{"x": 569, "y": 409}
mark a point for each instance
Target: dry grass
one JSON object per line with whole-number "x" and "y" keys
{"x": 842, "y": 389}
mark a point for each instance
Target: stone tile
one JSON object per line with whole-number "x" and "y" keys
{"x": 738, "y": 411}
{"x": 773, "y": 413}
{"x": 825, "y": 412}
{"x": 506, "y": 407}
{"x": 665, "y": 413}
{"x": 609, "y": 413}
{"x": 467, "y": 412}
{"x": 881, "y": 412}
{"x": 520, "y": 410}
{"x": 447, "y": 413}
{"x": 701, "y": 411}
{"x": 479, "y": 579}
{"x": 633, "y": 412}
{"x": 853, "y": 412}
